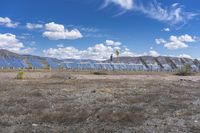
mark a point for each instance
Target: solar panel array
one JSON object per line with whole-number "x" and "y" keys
{"x": 146, "y": 63}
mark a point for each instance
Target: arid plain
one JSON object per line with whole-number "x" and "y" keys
{"x": 87, "y": 102}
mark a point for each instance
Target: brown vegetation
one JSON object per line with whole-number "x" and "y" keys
{"x": 101, "y": 103}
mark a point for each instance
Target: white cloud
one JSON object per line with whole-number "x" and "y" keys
{"x": 173, "y": 15}
{"x": 166, "y": 29}
{"x": 54, "y": 27}
{"x": 185, "y": 56}
{"x": 62, "y": 53}
{"x": 89, "y": 29}
{"x": 128, "y": 53}
{"x": 97, "y": 52}
{"x": 10, "y": 42}
{"x": 100, "y": 51}
{"x": 31, "y": 26}
{"x": 60, "y": 45}
{"x": 125, "y": 4}
{"x": 160, "y": 41}
{"x": 154, "y": 53}
{"x": 7, "y": 22}
{"x": 175, "y": 45}
{"x": 57, "y": 32}
{"x": 117, "y": 48}
{"x": 186, "y": 38}
{"x": 176, "y": 42}
{"x": 112, "y": 43}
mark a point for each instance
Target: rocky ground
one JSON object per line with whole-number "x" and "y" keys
{"x": 47, "y": 102}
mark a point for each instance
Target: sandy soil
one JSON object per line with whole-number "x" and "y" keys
{"x": 141, "y": 77}
{"x": 88, "y": 75}
{"x": 55, "y": 102}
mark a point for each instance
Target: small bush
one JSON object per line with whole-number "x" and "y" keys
{"x": 185, "y": 71}
{"x": 47, "y": 67}
{"x": 30, "y": 66}
{"x": 20, "y": 75}
{"x": 100, "y": 73}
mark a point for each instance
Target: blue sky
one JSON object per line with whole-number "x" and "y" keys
{"x": 94, "y": 29}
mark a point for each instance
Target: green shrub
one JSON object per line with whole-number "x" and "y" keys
{"x": 20, "y": 75}
{"x": 186, "y": 70}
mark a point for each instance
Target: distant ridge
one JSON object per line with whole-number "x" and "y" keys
{"x": 12, "y": 60}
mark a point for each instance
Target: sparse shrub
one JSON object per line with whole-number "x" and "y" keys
{"x": 100, "y": 73}
{"x": 20, "y": 74}
{"x": 186, "y": 70}
{"x": 30, "y": 66}
{"x": 47, "y": 67}
{"x": 60, "y": 67}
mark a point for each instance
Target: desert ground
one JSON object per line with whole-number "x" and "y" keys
{"x": 87, "y": 102}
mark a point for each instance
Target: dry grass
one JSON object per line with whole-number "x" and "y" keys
{"x": 99, "y": 105}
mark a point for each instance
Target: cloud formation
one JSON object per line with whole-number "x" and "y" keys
{"x": 7, "y": 22}
{"x": 166, "y": 29}
{"x": 153, "y": 53}
{"x": 9, "y": 42}
{"x": 57, "y": 32}
{"x": 125, "y": 4}
{"x": 100, "y": 51}
{"x": 185, "y": 56}
{"x": 173, "y": 15}
{"x": 31, "y": 26}
{"x": 113, "y": 43}
{"x": 176, "y": 42}
{"x": 160, "y": 41}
